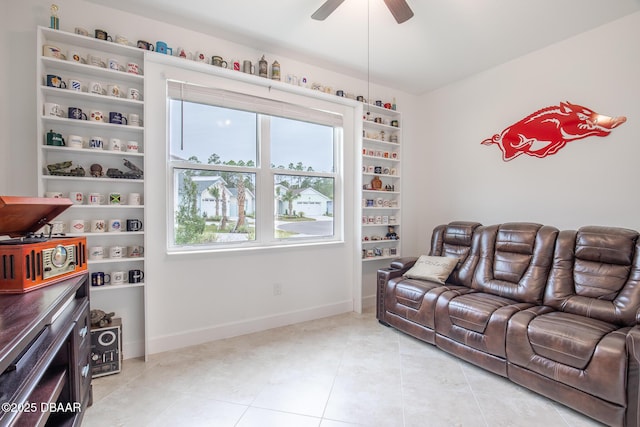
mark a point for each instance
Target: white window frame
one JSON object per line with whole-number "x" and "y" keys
{"x": 265, "y": 200}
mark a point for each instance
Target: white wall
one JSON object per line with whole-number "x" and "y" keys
{"x": 197, "y": 297}
{"x": 589, "y": 181}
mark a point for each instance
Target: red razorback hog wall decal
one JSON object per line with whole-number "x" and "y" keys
{"x": 546, "y": 131}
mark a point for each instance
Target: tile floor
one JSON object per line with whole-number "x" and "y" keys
{"x": 340, "y": 371}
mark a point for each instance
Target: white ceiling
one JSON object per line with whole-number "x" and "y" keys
{"x": 446, "y": 40}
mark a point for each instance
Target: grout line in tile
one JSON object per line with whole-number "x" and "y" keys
{"x": 473, "y": 393}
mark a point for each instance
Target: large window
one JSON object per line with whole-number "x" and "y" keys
{"x": 249, "y": 171}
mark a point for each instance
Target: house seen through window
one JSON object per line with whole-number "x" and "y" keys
{"x": 243, "y": 177}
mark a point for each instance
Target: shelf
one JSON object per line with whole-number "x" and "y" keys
{"x": 91, "y": 70}
{"x": 98, "y": 127}
{"x": 75, "y": 179}
{"x": 380, "y": 258}
{"x": 380, "y": 192}
{"x": 382, "y": 175}
{"x": 380, "y": 142}
{"x": 90, "y": 97}
{"x": 367, "y": 124}
{"x": 379, "y": 110}
{"x": 384, "y": 159}
{"x": 89, "y": 151}
{"x": 395, "y": 224}
{"x": 383, "y": 208}
{"x": 376, "y": 242}
{"x": 106, "y": 234}
{"x": 107, "y": 207}
{"x": 114, "y": 260}
{"x": 91, "y": 43}
{"x": 108, "y": 287}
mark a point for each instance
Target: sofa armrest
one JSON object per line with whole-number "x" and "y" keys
{"x": 633, "y": 377}
{"x": 403, "y": 264}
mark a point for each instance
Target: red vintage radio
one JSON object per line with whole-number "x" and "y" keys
{"x": 30, "y": 261}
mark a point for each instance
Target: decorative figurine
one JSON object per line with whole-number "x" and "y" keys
{"x": 263, "y": 70}
{"x": 99, "y": 318}
{"x": 55, "y": 21}
{"x": 391, "y": 234}
{"x": 275, "y": 71}
{"x": 376, "y": 183}
{"x": 96, "y": 170}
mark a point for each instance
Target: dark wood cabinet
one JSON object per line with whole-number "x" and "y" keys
{"x": 45, "y": 348}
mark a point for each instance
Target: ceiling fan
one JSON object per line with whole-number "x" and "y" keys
{"x": 399, "y": 9}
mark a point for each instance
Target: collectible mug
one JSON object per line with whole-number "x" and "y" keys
{"x": 161, "y": 47}
{"x": 76, "y": 141}
{"x": 96, "y": 61}
{"x": 135, "y": 251}
{"x": 55, "y": 139}
{"x": 76, "y": 197}
{"x": 133, "y": 68}
{"x": 76, "y": 57}
{"x": 120, "y": 39}
{"x": 134, "y": 119}
{"x": 98, "y": 226}
{"x": 81, "y": 31}
{"x": 55, "y": 81}
{"x": 53, "y": 109}
{"x": 113, "y": 90}
{"x": 118, "y": 277}
{"x": 136, "y": 276}
{"x": 132, "y": 146}
{"x": 145, "y": 45}
{"x": 76, "y": 113}
{"x": 134, "y": 225}
{"x": 115, "y": 225}
{"x": 115, "y": 198}
{"x": 53, "y": 194}
{"x": 75, "y": 84}
{"x": 53, "y": 52}
{"x": 134, "y": 199}
{"x": 201, "y": 57}
{"x": 103, "y": 35}
{"x": 57, "y": 227}
{"x": 96, "y": 87}
{"x": 96, "y": 252}
{"x": 96, "y": 143}
{"x": 115, "y": 144}
{"x": 116, "y": 251}
{"x": 114, "y": 64}
{"x": 97, "y": 116}
{"x": 218, "y": 61}
{"x": 133, "y": 93}
{"x": 117, "y": 118}
{"x": 100, "y": 278}
{"x": 96, "y": 199}
{"x": 78, "y": 226}
{"x": 183, "y": 53}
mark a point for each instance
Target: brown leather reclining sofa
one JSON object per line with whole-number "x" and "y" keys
{"x": 557, "y": 312}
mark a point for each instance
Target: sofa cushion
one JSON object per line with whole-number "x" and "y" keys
{"x": 596, "y": 274}
{"x": 411, "y": 292}
{"x": 456, "y": 240}
{"x": 514, "y": 260}
{"x": 473, "y": 311}
{"x": 567, "y": 338}
{"x": 432, "y": 268}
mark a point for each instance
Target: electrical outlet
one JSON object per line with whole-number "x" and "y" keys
{"x": 277, "y": 289}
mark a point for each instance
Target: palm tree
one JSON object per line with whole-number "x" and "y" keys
{"x": 223, "y": 222}
{"x": 214, "y": 190}
{"x": 289, "y": 196}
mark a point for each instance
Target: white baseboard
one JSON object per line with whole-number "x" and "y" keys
{"x": 233, "y": 329}
{"x": 368, "y": 301}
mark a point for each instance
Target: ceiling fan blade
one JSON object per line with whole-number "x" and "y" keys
{"x": 400, "y": 10}
{"x": 326, "y": 9}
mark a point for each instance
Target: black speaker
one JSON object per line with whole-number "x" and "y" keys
{"x": 106, "y": 350}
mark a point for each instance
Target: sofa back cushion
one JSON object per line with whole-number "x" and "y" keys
{"x": 455, "y": 240}
{"x": 596, "y": 273}
{"x": 514, "y": 260}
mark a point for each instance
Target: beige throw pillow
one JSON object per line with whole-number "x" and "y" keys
{"x": 433, "y": 268}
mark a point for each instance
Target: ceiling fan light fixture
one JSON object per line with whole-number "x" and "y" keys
{"x": 398, "y": 8}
